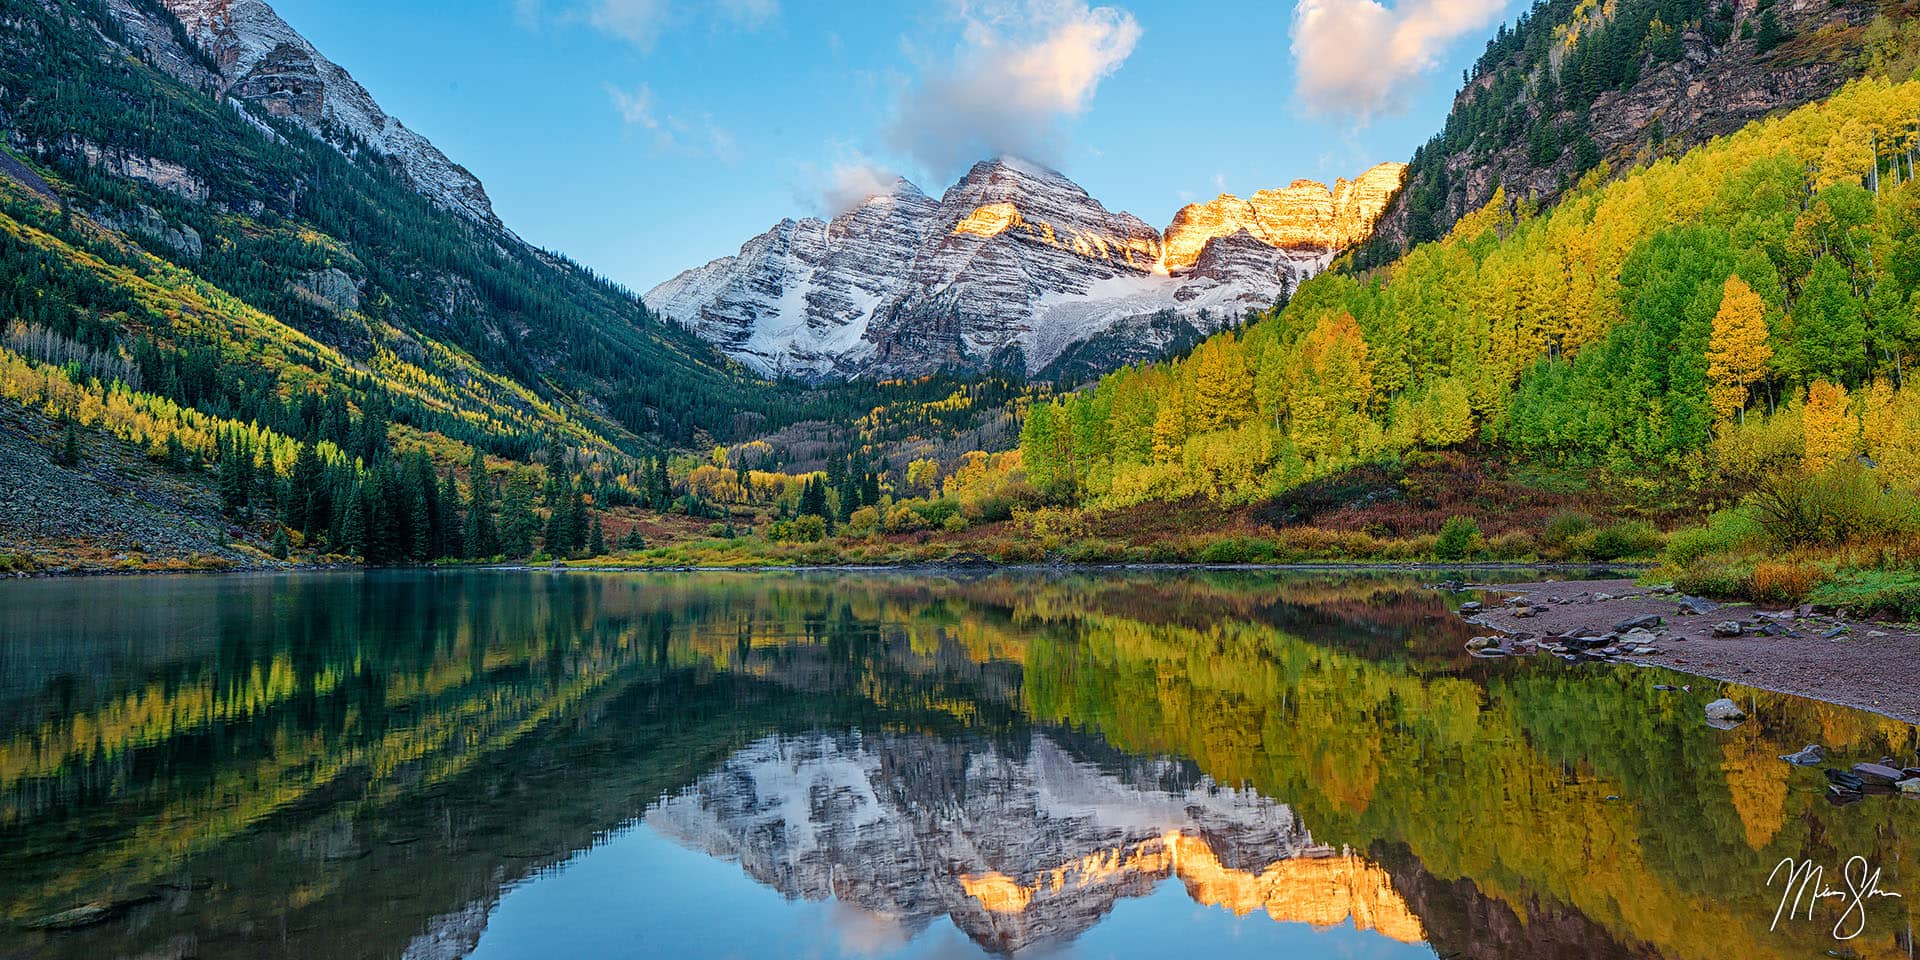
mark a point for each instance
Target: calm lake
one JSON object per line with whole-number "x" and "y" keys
{"x": 524, "y": 764}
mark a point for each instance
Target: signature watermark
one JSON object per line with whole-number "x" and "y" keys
{"x": 1806, "y": 886}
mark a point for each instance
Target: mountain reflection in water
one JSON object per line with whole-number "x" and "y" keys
{"x": 504, "y": 764}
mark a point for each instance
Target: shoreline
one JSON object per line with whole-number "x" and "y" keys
{"x": 981, "y": 566}
{"x": 1817, "y": 654}
{"x": 1869, "y": 665}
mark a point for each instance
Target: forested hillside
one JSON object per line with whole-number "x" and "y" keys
{"x": 1573, "y": 83}
{"x": 1746, "y": 304}
{"x": 293, "y": 324}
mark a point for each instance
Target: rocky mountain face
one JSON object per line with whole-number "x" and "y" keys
{"x": 1014, "y": 266}
{"x": 1528, "y": 119}
{"x": 1018, "y": 848}
{"x": 1303, "y": 216}
{"x": 264, "y": 64}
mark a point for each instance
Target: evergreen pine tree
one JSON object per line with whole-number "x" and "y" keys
{"x": 68, "y": 455}
{"x": 307, "y": 475}
{"x": 518, "y": 523}
{"x": 596, "y": 537}
{"x": 353, "y": 523}
{"x": 452, "y": 536}
{"x": 482, "y": 539}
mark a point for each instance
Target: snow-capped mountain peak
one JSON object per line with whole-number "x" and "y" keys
{"x": 1015, "y": 265}
{"x": 266, "y": 64}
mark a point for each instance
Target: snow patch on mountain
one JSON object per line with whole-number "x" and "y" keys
{"x": 1015, "y": 264}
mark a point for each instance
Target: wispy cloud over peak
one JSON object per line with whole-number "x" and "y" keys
{"x": 1019, "y": 71}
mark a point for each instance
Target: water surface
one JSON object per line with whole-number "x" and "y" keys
{"x": 526, "y": 764}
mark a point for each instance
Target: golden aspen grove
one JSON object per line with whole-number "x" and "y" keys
{"x": 1742, "y": 312}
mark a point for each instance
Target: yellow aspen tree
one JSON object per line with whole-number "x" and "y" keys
{"x": 1830, "y": 430}
{"x": 1332, "y": 382}
{"x": 1890, "y": 431}
{"x": 1223, "y": 389}
{"x": 1170, "y": 425}
{"x": 1446, "y": 415}
{"x": 1737, "y": 352}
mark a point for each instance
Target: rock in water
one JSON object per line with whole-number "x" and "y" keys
{"x": 1844, "y": 780}
{"x": 1646, "y": 622}
{"x": 1877, "y": 773}
{"x": 85, "y": 915}
{"x": 1728, "y": 628}
{"x": 1725, "y": 711}
{"x": 1810, "y": 755}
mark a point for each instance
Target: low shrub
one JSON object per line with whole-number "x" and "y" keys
{"x": 807, "y": 529}
{"x": 1240, "y": 549}
{"x": 1018, "y": 551}
{"x": 1842, "y": 504}
{"x": 1727, "y": 531}
{"x": 1628, "y": 538}
{"x": 1784, "y": 582}
{"x": 1512, "y": 545}
{"x": 1564, "y": 526}
{"x": 1714, "y": 577}
{"x": 1889, "y": 593}
{"x": 1094, "y": 551}
{"x": 1459, "y": 538}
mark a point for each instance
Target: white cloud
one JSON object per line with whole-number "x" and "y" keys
{"x": 851, "y": 181}
{"x": 635, "y": 107}
{"x": 750, "y": 13}
{"x": 1357, "y": 57}
{"x": 636, "y": 21}
{"x": 642, "y": 22}
{"x": 1020, "y": 69}
{"x": 700, "y": 136}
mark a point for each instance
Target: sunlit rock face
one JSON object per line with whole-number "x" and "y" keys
{"x": 1023, "y": 240}
{"x": 1018, "y": 850}
{"x": 1014, "y": 266}
{"x": 268, "y": 66}
{"x": 1304, "y": 216}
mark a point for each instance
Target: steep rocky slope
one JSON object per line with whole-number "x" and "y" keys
{"x": 1014, "y": 266}
{"x": 266, "y": 65}
{"x": 1020, "y": 850}
{"x": 1572, "y": 85}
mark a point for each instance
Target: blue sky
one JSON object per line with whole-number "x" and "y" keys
{"x": 643, "y": 137}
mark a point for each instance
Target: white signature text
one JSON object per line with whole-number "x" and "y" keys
{"x": 1806, "y": 885}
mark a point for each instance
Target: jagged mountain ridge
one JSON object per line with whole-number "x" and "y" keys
{"x": 265, "y": 63}
{"x": 1015, "y": 265}
{"x": 1018, "y": 849}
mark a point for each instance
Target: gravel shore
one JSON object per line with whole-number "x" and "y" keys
{"x": 1857, "y": 663}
